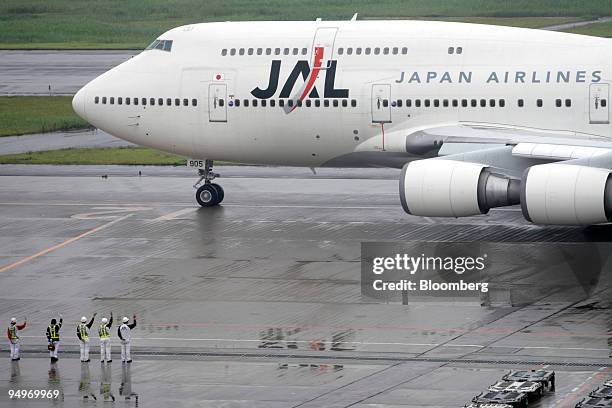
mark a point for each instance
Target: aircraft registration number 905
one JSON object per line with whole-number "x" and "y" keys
{"x": 199, "y": 164}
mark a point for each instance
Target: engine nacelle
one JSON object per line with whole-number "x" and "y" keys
{"x": 449, "y": 188}
{"x": 566, "y": 194}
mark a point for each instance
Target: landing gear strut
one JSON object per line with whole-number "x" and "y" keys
{"x": 208, "y": 194}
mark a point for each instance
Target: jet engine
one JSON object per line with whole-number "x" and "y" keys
{"x": 449, "y": 188}
{"x": 567, "y": 194}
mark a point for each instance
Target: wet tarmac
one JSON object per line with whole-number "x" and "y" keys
{"x": 257, "y": 303}
{"x": 63, "y": 72}
{"x": 59, "y": 140}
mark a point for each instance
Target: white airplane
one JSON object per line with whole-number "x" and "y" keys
{"x": 476, "y": 116}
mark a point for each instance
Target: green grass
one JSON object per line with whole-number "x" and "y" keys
{"x": 37, "y": 114}
{"x": 135, "y": 23}
{"x": 526, "y": 22}
{"x": 101, "y": 156}
{"x": 599, "y": 30}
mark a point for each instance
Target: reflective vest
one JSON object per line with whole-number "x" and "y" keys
{"x": 54, "y": 332}
{"x": 83, "y": 331}
{"x": 103, "y": 332}
{"x": 13, "y": 332}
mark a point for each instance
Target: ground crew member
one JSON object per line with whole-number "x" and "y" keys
{"x": 11, "y": 333}
{"x": 53, "y": 337}
{"x": 105, "y": 344}
{"x": 124, "y": 333}
{"x": 83, "y": 335}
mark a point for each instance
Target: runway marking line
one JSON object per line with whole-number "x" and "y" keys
{"x": 171, "y": 216}
{"x": 62, "y": 244}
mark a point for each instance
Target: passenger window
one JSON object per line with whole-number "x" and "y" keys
{"x": 399, "y": 103}
{"x": 340, "y": 51}
{"x": 492, "y": 103}
{"x": 194, "y": 102}
{"x": 286, "y": 51}
{"x": 177, "y": 102}
{"x": 250, "y": 51}
{"x": 259, "y": 51}
{"x": 152, "y": 101}
{"x": 502, "y": 103}
{"x": 308, "y": 103}
{"x": 368, "y": 50}
{"x": 277, "y": 51}
{"x": 272, "y": 102}
{"x": 326, "y": 103}
{"x": 358, "y": 51}
{"x": 349, "y": 51}
{"x": 104, "y": 100}
{"x": 558, "y": 103}
{"x": 404, "y": 50}
{"x": 483, "y": 103}
{"x": 263, "y": 103}
{"x": 427, "y": 103}
{"x": 451, "y": 50}
{"x": 455, "y": 103}
{"x": 568, "y": 103}
{"x": 417, "y": 103}
{"x": 236, "y": 103}
{"x": 335, "y": 102}
{"x": 385, "y": 103}
{"x": 281, "y": 103}
{"x": 268, "y": 51}
{"x": 290, "y": 103}
{"x": 540, "y": 103}
{"x": 160, "y": 102}
{"x": 135, "y": 101}
{"x": 224, "y": 52}
{"x": 445, "y": 103}
{"x": 241, "y": 51}
{"x": 464, "y": 103}
{"x": 254, "y": 104}
{"x": 386, "y": 50}
{"x": 246, "y": 103}
{"x": 221, "y": 102}
{"x": 354, "y": 103}
{"x": 295, "y": 51}
{"x": 436, "y": 103}
{"x": 317, "y": 103}
{"x": 299, "y": 103}
{"x": 143, "y": 101}
{"x": 521, "y": 103}
{"x": 344, "y": 103}
{"x": 233, "y": 51}
{"x": 185, "y": 102}
{"x": 474, "y": 103}
{"x": 604, "y": 103}
{"x": 127, "y": 101}
{"x": 459, "y": 50}
{"x": 96, "y": 99}
{"x": 395, "y": 50}
{"x": 376, "y": 51}
{"x": 304, "y": 51}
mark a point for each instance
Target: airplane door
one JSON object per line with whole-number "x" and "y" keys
{"x": 217, "y": 103}
{"x": 381, "y": 105}
{"x": 599, "y": 109}
{"x": 324, "y": 38}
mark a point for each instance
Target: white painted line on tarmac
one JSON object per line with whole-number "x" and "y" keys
{"x": 173, "y": 215}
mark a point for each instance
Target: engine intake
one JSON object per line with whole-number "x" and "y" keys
{"x": 449, "y": 188}
{"x": 567, "y": 194}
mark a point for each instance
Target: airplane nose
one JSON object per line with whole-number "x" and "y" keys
{"x": 78, "y": 103}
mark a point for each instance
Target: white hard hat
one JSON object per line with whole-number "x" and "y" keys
{"x": 83, "y": 319}
{"x": 104, "y": 320}
{"x": 125, "y": 319}
{"x": 13, "y": 320}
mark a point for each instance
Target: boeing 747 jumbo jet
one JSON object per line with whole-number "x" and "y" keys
{"x": 476, "y": 116}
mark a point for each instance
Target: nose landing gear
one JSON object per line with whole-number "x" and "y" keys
{"x": 208, "y": 194}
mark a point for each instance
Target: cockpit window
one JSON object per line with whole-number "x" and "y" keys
{"x": 164, "y": 45}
